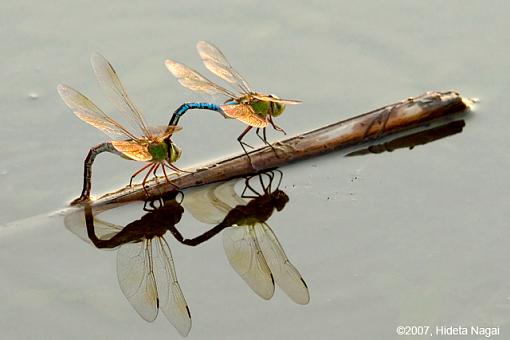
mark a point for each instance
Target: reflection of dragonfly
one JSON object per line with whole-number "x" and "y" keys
{"x": 252, "y": 108}
{"x": 154, "y": 146}
{"x": 145, "y": 268}
{"x": 250, "y": 244}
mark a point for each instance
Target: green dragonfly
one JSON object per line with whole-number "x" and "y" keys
{"x": 255, "y": 109}
{"x": 154, "y": 146}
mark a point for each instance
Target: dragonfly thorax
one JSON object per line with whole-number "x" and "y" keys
{"x": 164, "y": 150}
{"x": 258, "y": 210}
{"x": 158, "y": 221}
{"x": 266, "y": 107}
{"x": 158, "y": 150}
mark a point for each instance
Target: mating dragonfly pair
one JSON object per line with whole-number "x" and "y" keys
{"x": 155, "y": 145}
{"x": 145, "y": 267}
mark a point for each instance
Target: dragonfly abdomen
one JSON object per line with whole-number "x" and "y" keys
{"x": 181, "y": 110}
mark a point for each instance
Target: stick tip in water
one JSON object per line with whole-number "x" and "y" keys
{"x": 470, "y": 102}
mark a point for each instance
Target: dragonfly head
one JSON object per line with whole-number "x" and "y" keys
{"x": 280, "y": 199}
{"x": 172, "y": 211}
{"x": 174, "y": 152}
{"x": 276, "y": 108}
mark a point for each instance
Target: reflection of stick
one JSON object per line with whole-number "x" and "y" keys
{"x": 344, "y": 135}
{"x": 412, "y": 140}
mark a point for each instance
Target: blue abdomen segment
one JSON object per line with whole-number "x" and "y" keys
{"x": 181, "y": 110}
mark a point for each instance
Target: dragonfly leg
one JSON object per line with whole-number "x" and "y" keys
{"x": 166, "y": 176}
{"x": 154, "y": 172}
{"x": 241, "y": 136}
{"x": 273, "y": 174}
{"x": 153, "y": 165}
{"x": 267, "y": 188}
{"x": 276, "y": 127}
{"x": 280, "y": 180}
{"x": 149, "y": 203}
{"x": 248, "y": 186}
{"x": 87, "y": 169}
{"x": 243, "y": 144}
{"x": 244, "y": 194}
{"x": 175, "y": 168}
{"x": 264, "y": 139}
{"x": 172, "y": 167}
{"x": 138, "y": 172}
{"x": 164, "y": 173}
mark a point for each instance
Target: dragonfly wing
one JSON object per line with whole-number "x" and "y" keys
{"x": 132, "y": 149}
{"x": 217, "y": 63}
{"x": 193, "y": 80}
{"x": 171, "y": 300}
{"x": 245, "y": 257}
{"x": 245, "y": 114}
{"x": 285, "y": 274}
{"x": 163, "y": 131}
{"x": 211, "y": 203}
{"x": 204, "y": 205}
{"x": 276, "y": 100}
{"x": 87, "y": 111}
{"x": 226, "y": 193}
{"x": 110, "y": 83}
{"x": 136, "y": 278}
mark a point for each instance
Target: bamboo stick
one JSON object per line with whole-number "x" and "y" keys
{"x": 390, "y": 120}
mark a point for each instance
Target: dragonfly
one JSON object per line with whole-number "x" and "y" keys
{"x": 251, "y": 246}
{"x": 255, "y": 109}
{"x": 151, "y": 144}
{"x": 145, "y": 267}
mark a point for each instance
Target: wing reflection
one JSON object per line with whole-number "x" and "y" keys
{"x": 251, "y": 246}
{"x": 145, "y": 268}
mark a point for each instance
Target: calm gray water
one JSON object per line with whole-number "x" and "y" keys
{"x": 407, "y": 238}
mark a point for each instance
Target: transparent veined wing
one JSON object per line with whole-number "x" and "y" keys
{"x": 204, "y": 206}
{"x": 75, "y": 223}
{"x": 136, "y": 278}
{"x": 225, "y": 192}
{"x": 193, "y": 80}
{"x": 217, "y": 63}
{"x": 211, "y": 203}
{"x": 245, "y": 114}
{"x": 87, "y": 111}
{"x": 245, "y": 257}
{"x": 163, "y": 131}
{"x": 171, "y": 300}
{"x": 275, "y": 100}
{"x": 284, "y": 273}
{"x": 133, "y": 150}
{"x": 110, "y": 84}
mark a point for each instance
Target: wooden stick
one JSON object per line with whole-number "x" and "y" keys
{"x": 390, "y": 120}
